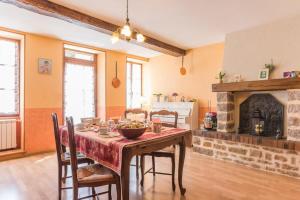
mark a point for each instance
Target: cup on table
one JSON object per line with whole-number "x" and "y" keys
{"x": 96, "y": 121}
{"x": 103, "y": 130}
{"x": 80, "y": 126}
{"x": 156, "y": 127}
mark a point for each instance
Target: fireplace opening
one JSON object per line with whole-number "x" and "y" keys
{"x": 261, "y": 114}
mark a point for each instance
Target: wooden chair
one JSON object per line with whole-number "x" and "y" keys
{"x": 136, "y": 111}
{"x": 63, "y": 157}
{"x": 166, "y": 152}
{"x": 93, "y": 175}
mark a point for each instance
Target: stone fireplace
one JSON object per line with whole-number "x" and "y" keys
{"x": 234, "y": 141}
{"x": 271, "y": 109}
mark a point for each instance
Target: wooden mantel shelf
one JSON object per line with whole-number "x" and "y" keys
{"x": 262, "y": 85}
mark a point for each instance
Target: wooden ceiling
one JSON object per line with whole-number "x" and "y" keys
{"x": 51, "y": 9}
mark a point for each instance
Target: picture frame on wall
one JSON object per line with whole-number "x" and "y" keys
{"x": 44, "y": 66}
{"x": 263, "y": 74}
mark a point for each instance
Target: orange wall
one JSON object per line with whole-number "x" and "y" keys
{"x": 162, "y": 75}
{"x": 44, "y": 93}
{"x": 115, "y": 97}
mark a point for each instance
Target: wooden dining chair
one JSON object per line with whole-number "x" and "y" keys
{"x": 63, "y": 157}
{"x": 168, "y": 152}
{"x": 136, "y": 112}
{"x": 92, "y": 176}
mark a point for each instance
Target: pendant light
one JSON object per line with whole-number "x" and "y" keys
{"x": 126, "y": 32}
{"x": 182, "y": 69}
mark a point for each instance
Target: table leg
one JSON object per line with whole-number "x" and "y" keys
{"x": 125, "y": 176}
{"x": 181, "y": 164}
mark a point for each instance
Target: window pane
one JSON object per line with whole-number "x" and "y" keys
{"x": 134, "y": 85}
{"x": 8, "y": 52}
{"x": 79, "y": 55}
{"x": 79, "y": 100}
{"x": 9, "y": 77}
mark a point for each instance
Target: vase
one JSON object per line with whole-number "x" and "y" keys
{"x": 158, "y": 98}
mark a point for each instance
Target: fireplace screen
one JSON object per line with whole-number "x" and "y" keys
{"x": 270, "y": 110}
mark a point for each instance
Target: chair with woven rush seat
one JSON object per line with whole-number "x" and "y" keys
{"x": 93, "y": 175}
{"x": 63, "y": 157}
{"x": 136, "y": 111}
{"x": 168, "y": 152}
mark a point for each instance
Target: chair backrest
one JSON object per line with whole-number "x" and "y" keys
{"x": 135, "y": 111}
{"x": 166, "y": 113}
{"x": 73, "y": 152}
{"x": 59, "y": 147}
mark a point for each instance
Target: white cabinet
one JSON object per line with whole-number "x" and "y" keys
{"x": 187, "y": 113}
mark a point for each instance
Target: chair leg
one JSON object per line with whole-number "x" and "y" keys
{"x": 94, "y": 193}
{"x": 59, "y": 181}
{"x": 153, "y": 165}
{"x": 65, "y": 173}
{"x": 118, "y": 187}
{"x": 142, "y": 170}
{"x": 137, "y": 166}
{"x": 75, "y": 193}
{"x": 109, "y": 192}
{"x": 173, "y": 172}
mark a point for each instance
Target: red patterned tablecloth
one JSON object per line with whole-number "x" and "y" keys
{"x": 108, "y": 151}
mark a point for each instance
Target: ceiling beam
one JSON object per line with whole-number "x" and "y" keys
{"x": 45, "y": 7}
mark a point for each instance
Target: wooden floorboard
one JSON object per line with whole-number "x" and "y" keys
{"x": 35, "y": 178}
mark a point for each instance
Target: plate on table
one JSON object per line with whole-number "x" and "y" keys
{"x": 109, "y": 135}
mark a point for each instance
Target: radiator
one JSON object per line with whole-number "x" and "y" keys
{"x": 8, "y": 134}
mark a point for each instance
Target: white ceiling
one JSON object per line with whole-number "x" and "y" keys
{"x": 184, "y": 23}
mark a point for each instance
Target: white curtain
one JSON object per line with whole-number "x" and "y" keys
{"x": 79, "y": 91}
{"x": 9, "y": 77}
{"x": 134, "y": 85}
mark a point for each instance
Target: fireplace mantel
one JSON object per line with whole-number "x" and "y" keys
{"x": 262, "y": 85}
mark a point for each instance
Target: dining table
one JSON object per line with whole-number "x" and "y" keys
{"x": 115, "y": 151}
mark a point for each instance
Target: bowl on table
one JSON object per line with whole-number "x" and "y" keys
{"x": 132, "y": 130}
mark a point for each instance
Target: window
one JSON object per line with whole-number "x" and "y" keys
{"x": 9, "y": 77}
{"x": 134, "y": 85}
{"x": 79, "y": 85}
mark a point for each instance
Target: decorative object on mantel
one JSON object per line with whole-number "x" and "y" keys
{"x": 44, "y": 66}
{"x": 158, "y": 95}
{"x": 182, "y": 99}
{"x": 174, "y": 95}
{"x": 182, "y": 69}
{"x": 116, "y": 82}
{"x": 237, "y": 78}
{"x": 126, "y": 32}
{"x": 292, "y": 74}
{"x": 263, "y": 74}
{"x": 221, "y": 76}
{"x": 270, "y": 67}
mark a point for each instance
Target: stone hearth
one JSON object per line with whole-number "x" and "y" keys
{"x": 262, "y": 153}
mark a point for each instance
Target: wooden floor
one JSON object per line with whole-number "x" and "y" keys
{"x": 35, "y": 178}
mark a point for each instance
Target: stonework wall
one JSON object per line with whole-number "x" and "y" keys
{"x": 225, "y": 111}
{"x": 280, "y": 161}
{"x": 293, "y": 115}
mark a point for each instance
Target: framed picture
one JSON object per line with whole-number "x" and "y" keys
{"x": 263, "y": 74}
{"x": 237, "y": 78}
{"x": 44, "y": 66}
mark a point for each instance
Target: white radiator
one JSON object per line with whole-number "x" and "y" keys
{"x": 8, "y": 134}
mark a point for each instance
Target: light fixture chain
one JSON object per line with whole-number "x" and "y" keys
{"x": 127, "y": 19}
